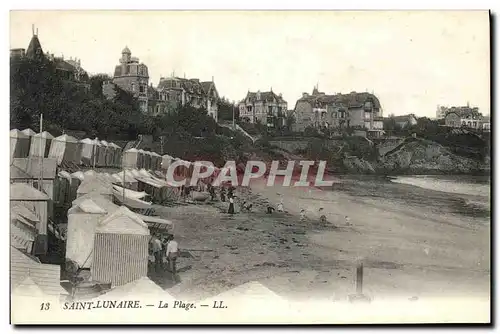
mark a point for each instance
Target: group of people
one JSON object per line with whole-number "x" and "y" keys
{"x": 164, "y": 246}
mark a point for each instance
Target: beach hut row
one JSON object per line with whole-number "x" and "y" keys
{"x": 138, "y": 159}
{"x": 104, "y": 234}
{"x": 65, "y": 148}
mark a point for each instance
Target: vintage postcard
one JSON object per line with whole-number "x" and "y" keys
{"x": 250, "y": 167}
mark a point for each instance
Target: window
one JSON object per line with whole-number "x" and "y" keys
{"x": 133, "y": 86}
{"x": 141, "y": 89}
{"x": 367, "y": 115}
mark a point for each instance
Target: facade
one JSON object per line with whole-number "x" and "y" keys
{"x": 339, "y": 111}
{"x": 457, "y": 117}
{"x": 177, "y": 91}
{"x": 69, "y": 70}
{"x": 133, "y": 77}
{"x": 264, "y": 107}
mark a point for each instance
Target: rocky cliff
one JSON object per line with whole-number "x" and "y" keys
{"x": 417, "y": 157}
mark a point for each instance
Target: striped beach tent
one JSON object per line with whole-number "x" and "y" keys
{"x": 120, "y": 248}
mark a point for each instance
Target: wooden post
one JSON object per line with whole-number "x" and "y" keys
{"x": 359, "y": 279}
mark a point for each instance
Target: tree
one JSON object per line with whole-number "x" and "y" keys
{"x": 226, "y": 109}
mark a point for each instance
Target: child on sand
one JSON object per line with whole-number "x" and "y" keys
{"x": 302, "y": 215}
{"x": 347, "y": 221}
{"x": 280, "y": 206}
{"x": 322, "y": 217}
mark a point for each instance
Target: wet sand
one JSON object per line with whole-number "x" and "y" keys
{"x": 408, "y": 251}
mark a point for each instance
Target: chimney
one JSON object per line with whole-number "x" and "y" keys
{"x": 33, "y": 29}
{"x": 304, "y": 95}
{"x": 212, "y": 78}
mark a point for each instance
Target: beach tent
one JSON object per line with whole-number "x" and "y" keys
{"x": 120, "y": 248}
{"x": 135, "y": 204}
{"x": 89, "y": 152}
{"x": 146, "y": 159}
{"x": 101, "y": 153}
{"x": 109, "y": 153}
{"x": 131, "y": 158}
{"x": 117, "y": 154}
{"x": 38, "y": 202}
{"x": 62, "y": 188}
{"x": 252, "y": 294}
{"x": 130, "y": 181}
{"x": 23, "y": 230}
{"x": 158, "y": 161}
{"x": 83, "y": 218}
{"x": 46, "y": 276}
{"x": 95, "y": 184}
{"x": 143, "y": 289}
{"x": 19, "y": 144}
{"x": 144, "y": 173}
{"x": 166, "y": 160}
{"x": 65, "y": 148}
{"x": 40, "y": 144}
{"x": 78, "y": 175}
{"x": 30, "y": 133}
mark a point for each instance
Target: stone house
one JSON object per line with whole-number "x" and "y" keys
{"x": 265, "y": 107}
{"x": 457, "y": 117}
{"x": 339, "y": 111}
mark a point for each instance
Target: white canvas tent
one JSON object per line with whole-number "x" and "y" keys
{"x": 40, "y": 144}
{"x": 95, "y": 184}
{"x": 30, "y": 133}
{"x": 83, "y": 218}
{"x": 144, "y": 160}
{"x": 155, "y": 161}
{"x": 109, "y": 153}
{"x": 131, "y": 158}
{"x": 117, "y": 154}
{"x": 120, "y": 248}
{"x": 65, "y": 148}
{"x": 19, "y": 144}
{"x": 89, "y": 150}
{"x": 166, "y": 161}
{"x": 130, "y": 181}
{"x": 140, "y": 289}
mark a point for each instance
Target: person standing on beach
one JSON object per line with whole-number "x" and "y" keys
{"x": 231, "y": 205}
{"x": 302, "y": 215}
{"x": 172, "y": 253}
{"x": 347, "y": 221}
{"x": 156, "y": 248}
{"x": 280, "y": 206}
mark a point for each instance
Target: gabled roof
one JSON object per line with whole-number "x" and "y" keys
{"x": 17, "y": 173}
{"x": 350, "y": 100}
{"x": 45, "y": 135}
{"x": 28, "y": 288}
{"x": 403, "y": 118}
{"x": 29, "y": 132}
{"x": 33, "y": 165}
{"x": 24, "y": 192}
{"x": 19, "y": 209}
{"x": 123, "y": 221}
{"x": 45, "y": 276}
{"x": 264, "y": 96}
{"x": 67, "y": 138}
{"x": 15, "y": 133}
{"x": 95, "y": 184}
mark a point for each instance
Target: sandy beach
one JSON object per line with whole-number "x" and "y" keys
{"x": 408, "y": 250}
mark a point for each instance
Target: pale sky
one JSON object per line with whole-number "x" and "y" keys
{"x": 412, "y": 61}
